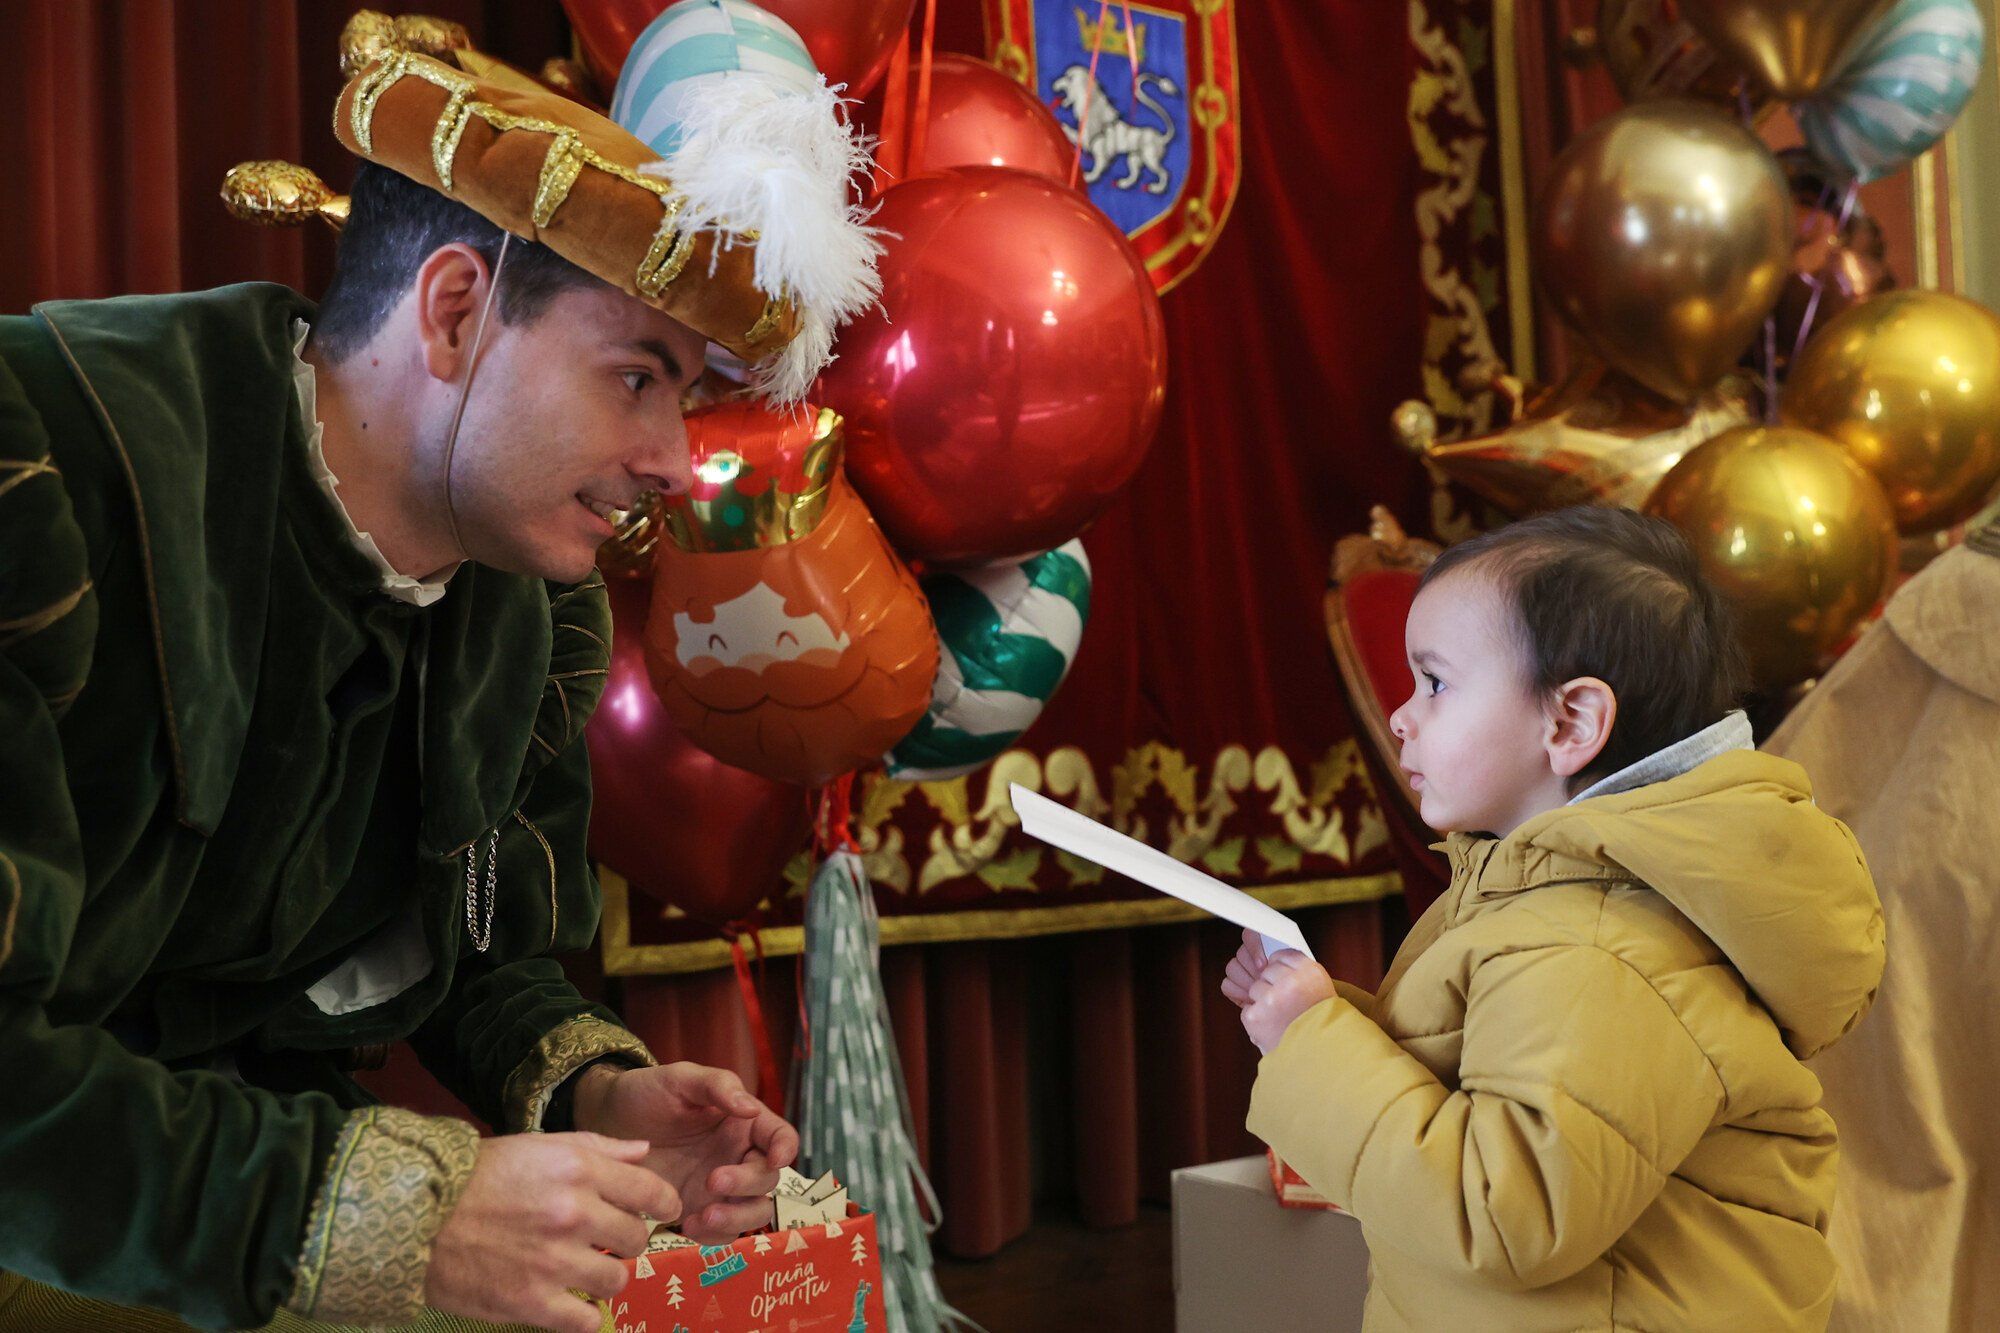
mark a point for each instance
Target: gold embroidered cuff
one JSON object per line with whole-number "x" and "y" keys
{"x": 566, "y": 1049}
{"x": 394, "y": 1177}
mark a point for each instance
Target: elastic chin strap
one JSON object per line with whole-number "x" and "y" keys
{"x": 465, "y": 392}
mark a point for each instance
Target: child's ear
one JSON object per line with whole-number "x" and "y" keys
{"x": 1580, "y": 720}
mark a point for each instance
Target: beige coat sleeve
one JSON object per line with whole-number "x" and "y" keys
{"x": 1579, "y": 1093}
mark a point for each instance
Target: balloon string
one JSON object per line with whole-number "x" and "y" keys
{"x": 920, "y": 122}
{"x": 1817, "y": 283}
{"x": 1847, "y": 203}
{"x": 835, "y": 827}
{"x": 1089, "y": 91}
{"x": 1132, "y": 50}
{"x": 753, "y": 1009}
{"x": 1771, "y": 370}
{"x": 1818, "y": 286}
{"x": 802, "y": 1046}
{"x": 895, "y": 119}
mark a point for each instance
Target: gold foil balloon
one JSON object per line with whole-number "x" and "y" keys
{"x": 1793, "y": 532}
{"x": 1598, "y": 438}
{"x": 1664, "y": 236}
{"x": 1651, "y": 50}
{"x": 1909, "y": 382}
{"x": 281, "y": 194}
{"x": 1791, "y": 46}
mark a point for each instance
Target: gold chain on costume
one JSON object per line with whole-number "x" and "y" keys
{"x": 478, "y": 923}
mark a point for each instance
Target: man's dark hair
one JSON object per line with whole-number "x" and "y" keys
{"x": 393, "y": 225}
{"x": 1605, "y": 592}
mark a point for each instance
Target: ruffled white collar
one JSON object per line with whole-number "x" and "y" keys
{"x": 400, "y": 586}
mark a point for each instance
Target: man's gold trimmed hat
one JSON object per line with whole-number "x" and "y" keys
{"x": 550, "y": 170}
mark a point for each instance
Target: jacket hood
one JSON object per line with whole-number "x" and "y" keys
{"x": 1739, "y": 847}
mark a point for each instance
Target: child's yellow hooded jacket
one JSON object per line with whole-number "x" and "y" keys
{"x": 1577, "y": 1101}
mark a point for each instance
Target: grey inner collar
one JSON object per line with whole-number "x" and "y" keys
{"x": 1731, "y": 733}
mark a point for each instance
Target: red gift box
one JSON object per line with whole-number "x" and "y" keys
{"x": 814, "y": 1279}
{"x": 1292, "y": 1189}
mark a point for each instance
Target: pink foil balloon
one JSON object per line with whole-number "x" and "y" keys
{"x": 1012, "y": 380}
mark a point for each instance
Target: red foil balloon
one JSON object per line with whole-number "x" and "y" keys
{"x": 850, "y": 40}
{"x": 981, "y": 118}
{"x": 605, "y": 31}
{"x": 681, "y": 825}
{"x": 1011, "y": 381}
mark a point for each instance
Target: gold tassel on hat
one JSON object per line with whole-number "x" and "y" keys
{"x": 273, "y": 193}
{"x": 370, "y": 35}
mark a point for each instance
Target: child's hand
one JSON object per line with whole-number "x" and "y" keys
{"x": 1244, "y": 968}
{"x": 1291, "y": 984}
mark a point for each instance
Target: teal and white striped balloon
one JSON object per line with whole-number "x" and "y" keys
{"x": 1009, "y": 634}
{"x": 1900, "y": 89}
{"x": 756, "y": 143}
{"x": 692, "y": 45}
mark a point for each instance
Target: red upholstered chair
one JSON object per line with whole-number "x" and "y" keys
{"x": 1368, "y": 596}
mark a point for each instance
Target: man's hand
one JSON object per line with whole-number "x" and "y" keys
{"x": 711, "y": 1140}
{"x": 526, "y": 1234}
{"x": 1290, "y": 984}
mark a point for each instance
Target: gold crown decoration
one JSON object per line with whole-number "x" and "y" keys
{"x": 550, "y": 170}
{"x": 761, "y": 478}
{"x": 628, "y": 552}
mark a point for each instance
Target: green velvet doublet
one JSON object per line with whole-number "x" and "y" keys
{"x": 239, "y": 790}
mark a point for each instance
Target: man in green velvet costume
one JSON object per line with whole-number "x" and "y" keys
{"x": 299, "y": 630}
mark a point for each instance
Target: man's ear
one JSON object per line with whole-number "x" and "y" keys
{"x": 450, "y": 291}
{"x": 1580, "y": 719}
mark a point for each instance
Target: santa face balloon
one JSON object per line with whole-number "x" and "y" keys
{"x": 785, "y": 636}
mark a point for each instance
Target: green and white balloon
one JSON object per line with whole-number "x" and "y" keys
{"x": 1009, "y": 634}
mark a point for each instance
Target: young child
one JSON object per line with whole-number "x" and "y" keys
{"x": 1577, "y": 1100}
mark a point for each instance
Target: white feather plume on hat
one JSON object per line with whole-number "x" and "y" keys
{"x": 758, "y": 156}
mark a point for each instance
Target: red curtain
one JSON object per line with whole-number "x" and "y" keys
{"x": 122, "y": 115}
{"x": 1086, "y": 1065}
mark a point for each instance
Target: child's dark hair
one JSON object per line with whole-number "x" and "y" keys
{"x": 394, "y": 224}
{"x": 1605, "y": 592}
